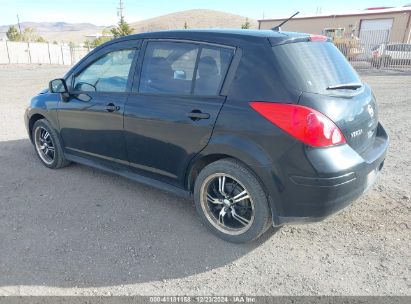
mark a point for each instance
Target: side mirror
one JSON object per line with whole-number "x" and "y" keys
{"x": 58, "y": 86}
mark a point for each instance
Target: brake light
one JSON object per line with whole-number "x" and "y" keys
{"x": 318, "y": 38}
{"x": 305, "y": 124}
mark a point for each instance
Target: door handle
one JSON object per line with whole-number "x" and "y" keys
{"x": 197, "y": 115}
{"x": 111, "y": 107}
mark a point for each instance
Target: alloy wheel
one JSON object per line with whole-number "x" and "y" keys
{"x": 44, "y": 145}
{"x": 227, "y": 204}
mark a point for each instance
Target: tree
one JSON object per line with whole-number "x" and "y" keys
{"x": 28, "y": 35}
{"x": 123, "y": 29}
{"x": 13, "y": 34}
{"x": 99, "y": 40}
{"x": 40, "y": 39}
{"x": 87, "y": 44}
{"x": 246, "y": 25}
{"x": 105, "y": 36}
{"x": 185, "y": 25}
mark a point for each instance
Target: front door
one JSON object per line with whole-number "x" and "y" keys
{"x": 170, "y": 117}
{"x": 91, "y": 120}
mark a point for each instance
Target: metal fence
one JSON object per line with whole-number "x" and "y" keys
{"x": 371, "y": 49}
{"x": 377, "y": 49}
{"x": 46, "y": 53}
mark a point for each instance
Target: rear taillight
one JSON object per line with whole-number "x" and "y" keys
{"x": 303, "y": 123}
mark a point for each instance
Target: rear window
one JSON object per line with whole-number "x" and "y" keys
{"x": 313, "y": 66}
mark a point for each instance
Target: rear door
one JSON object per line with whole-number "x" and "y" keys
{"x": 330, "y": 85}
{"x": 170, "y": 114}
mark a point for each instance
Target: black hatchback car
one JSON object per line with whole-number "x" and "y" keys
{"x": 260, "y": 127}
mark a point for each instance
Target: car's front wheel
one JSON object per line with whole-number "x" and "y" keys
{"x": 231, "y": 201}
{"x": 47, "y": 145}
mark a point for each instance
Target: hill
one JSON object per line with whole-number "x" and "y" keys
{"x": 77, "y": 32}
{"x": 59, "y": 31}
{"x": 196, "y": 18}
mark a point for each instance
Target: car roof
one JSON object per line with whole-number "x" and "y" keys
{"x": 225, "y": 36}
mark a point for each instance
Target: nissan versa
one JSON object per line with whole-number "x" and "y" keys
{"x": 260, "y": 127}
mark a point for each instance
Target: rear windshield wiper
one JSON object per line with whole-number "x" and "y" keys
{"x": 345, "y": 86}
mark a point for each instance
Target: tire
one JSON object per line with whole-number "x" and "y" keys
{"x": 48, "y": 147}
{"x": 252, "y": 213}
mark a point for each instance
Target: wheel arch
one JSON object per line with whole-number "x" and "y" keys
{"x": 198, "y": 164}
{"x": 202, "y": 161}
{"x": 33, "y": 118}
{"x": 242, "y": 150}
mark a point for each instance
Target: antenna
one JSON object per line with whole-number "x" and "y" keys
{"x": 278, "y": 27}
{"x": 120, "y": 9}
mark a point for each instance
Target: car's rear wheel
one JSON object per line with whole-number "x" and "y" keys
{"x": 231, "y": 201}
{"x": 47, "y": 145}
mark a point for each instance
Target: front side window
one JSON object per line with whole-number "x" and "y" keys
{"x": 107, "y": 74}
{"x": 168, "y": 67}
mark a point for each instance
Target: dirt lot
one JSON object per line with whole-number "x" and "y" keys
{"x": 81, "y": 231}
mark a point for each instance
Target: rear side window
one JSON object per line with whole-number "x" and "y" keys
{"x": 212, "y": 68}
{"x": 313, "y": 66}
{"x": 184, "y": 68}
{"x": 107, "y": 74}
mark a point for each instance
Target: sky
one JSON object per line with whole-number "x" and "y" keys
{"x": 104, "y": 12}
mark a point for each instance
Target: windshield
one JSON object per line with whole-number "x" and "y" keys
{"x": 313, "y": 66}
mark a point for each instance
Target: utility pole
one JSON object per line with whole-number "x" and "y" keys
{"x": 18, "y": 23}
{"x": 120, "y": 9}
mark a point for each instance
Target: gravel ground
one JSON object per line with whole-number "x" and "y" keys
{"x": 81, "y": 231}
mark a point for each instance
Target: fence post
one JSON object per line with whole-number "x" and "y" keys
{"x": 28, "y": 50}
{"x": 62, "y": 54}
{"x": 8, "y": 53}
{"x": 48, "y": 49}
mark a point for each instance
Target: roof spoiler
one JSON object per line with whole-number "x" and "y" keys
{"x": 278, "y": 27}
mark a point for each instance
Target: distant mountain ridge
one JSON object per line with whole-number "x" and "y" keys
{"x": 196, "y": 18}
{"x": 58, "y": 31}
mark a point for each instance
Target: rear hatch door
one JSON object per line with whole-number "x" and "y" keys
{"x": 330, "y": 85}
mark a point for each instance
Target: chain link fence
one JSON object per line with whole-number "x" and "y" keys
{"x": 372, "y": 49}
{"x": 376, "y": 49}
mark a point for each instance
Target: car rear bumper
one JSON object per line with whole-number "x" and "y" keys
{"x": 331, "y": 180}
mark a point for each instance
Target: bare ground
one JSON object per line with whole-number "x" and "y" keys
{"x": 81, "y": 231}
